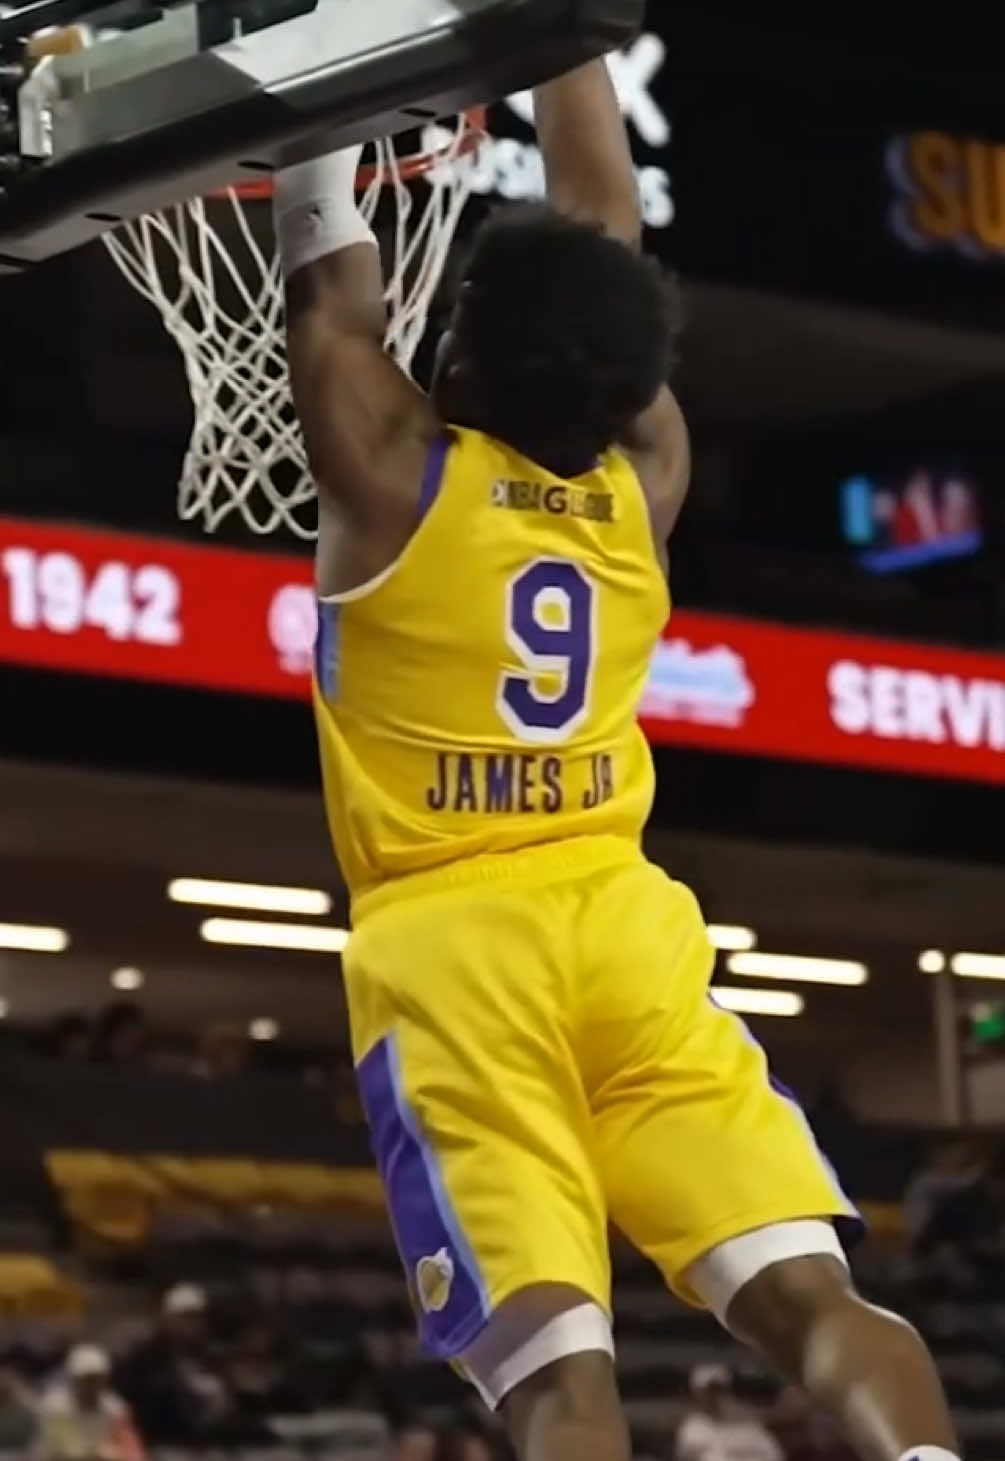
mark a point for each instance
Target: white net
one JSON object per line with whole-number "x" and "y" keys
{"x": 222, "y": 304}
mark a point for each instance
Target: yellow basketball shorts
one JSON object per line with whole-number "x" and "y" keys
{"x": 537, "y": 1054}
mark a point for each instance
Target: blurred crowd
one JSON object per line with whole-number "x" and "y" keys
{"x": 251, "y": 1373}
{"x": 121, "y": 1037}
{"x": 199, "y": 1382}
{"x": 196, "y": 1380}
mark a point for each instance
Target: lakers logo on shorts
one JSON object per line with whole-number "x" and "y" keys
{"x": 434, "y": 1278}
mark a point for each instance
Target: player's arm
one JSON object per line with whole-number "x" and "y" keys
{"x": 366, "y": 425}
{"x": 587, "y": 158}
{"x": 590, "y": 175}
{"x": 660, "y": 444}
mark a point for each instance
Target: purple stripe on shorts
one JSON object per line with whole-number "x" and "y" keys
{"x": 446, "y": 1284}
{"x": 432, "y": 477}
{"x": 850, "y": 1226}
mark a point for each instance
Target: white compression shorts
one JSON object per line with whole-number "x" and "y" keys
{"x": 539, "y": 1326}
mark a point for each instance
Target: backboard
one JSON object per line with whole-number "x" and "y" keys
{"x": 168, "y": 101}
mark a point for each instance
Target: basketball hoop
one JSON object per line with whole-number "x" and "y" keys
{"x": 223, "y": 307}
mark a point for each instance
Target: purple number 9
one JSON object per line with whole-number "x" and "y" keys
{"x": 550, "y": 626}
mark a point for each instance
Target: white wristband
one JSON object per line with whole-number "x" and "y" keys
{"x": 314, "y": 209}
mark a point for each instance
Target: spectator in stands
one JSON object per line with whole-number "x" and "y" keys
{"x": 82, "y": 1419}
{"x": 18, "y": 1411}
{"x": 835, "y": 1123}
{"x": 802, "y": 1432}
{"x": 224, "y": 1052}
{"x": 419, "y": 1440}
{"x": 173, "y": 1382}
{"x": 414, "y": 1441}
{"x": 185, "y": 1316}
{"x": 259, "y": 1373}
{"x": 717, "y": 1427}
{"x": 951, "y": 1207}
{"x": 464, "y": 1443}
{"x": 70, "y": 1037}
{"x": 120, "y": 1035}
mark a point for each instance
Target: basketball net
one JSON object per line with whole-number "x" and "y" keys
{"x": 224, "y": 310}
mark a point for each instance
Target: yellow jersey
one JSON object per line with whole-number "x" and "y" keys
{"x": 480, "y": 695}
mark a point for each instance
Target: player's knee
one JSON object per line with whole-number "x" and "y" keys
{"x": 569, "y": 1406}
{"x": 798, "y": 1309}
{"x": 546, "y": 1359}
{"x": 781, "y": 1304}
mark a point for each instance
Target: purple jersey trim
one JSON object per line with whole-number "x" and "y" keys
{"x": 432, "y": 477}
{"x": 326, "y": 649}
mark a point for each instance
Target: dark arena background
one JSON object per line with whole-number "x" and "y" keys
{"x": 186, "y": 1183}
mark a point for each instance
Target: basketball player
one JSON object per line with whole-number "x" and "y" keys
{"x": 535, "y": 1044}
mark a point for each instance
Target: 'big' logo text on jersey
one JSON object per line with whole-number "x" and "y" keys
{"x": 556, "y": 499}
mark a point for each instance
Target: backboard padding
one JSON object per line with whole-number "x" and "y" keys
{"x": 197, "y": 118}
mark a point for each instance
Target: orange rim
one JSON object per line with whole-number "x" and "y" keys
{"x": 409, "y": 168}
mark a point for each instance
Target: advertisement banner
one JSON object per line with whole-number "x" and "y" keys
{"x": 113, "y": 604}
{"x": 107, "y": 603}
{"x": 729, "y": 684}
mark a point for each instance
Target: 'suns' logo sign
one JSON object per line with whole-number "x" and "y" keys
{"x": 949, "y": 193}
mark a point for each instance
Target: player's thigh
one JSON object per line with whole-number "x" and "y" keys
{"x": 459, "y": 1005}
{"x": 697, "y": 1144}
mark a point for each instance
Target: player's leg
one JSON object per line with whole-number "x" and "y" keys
{"x": 863, "y": 1364}
{"x": 550, "y": 1373}
{"x": 569, "y": 1411}
{"x": 714, "y": 1174}
{"x": 462, "y": 1018}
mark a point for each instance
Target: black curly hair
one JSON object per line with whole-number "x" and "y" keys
{"x": 562, "y": 335}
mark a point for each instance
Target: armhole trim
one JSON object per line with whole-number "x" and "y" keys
{"x": 429, "y": 490}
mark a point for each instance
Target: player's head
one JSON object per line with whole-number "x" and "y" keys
{"x": 561, "y": 337}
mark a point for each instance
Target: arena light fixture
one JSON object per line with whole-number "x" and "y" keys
{"x": 932, "y": 961}
{"x": 257, "y": 897}
{"x": 264, "y": 1028}
{"x": 783, "y": 1002}
{"x": 250, "y": 933}
{"x": 33, "y": 937}
{"x": 978, "y": 966}
{"x": 731, "y": 936}
{"x": 126, "y": 979}
{"x": 798, "y": 967}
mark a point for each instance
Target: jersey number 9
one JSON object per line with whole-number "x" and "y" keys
{"x": 551, "y": 627}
